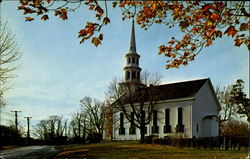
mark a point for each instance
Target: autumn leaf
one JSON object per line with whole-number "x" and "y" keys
{"x": 177, "y": 47}
{"x": 214, "y": 17}
{"x": 21, "y": 7}
{"x": 27, "y": 10}
{"x": 218, "y": 33}
{"x": 171, "y": 42}
{"x": 238, "y": 42}
{"x": 91, "y": 7}
{"x": 106, "y": 20}
{"x": 45, "y": 17}
{"x": 82, "y": 33}
{"x": 244, "y": 26}
{"x": 184, "y": 24}
{"x": 99, "y": 10}
{"x": 48, "y": 1}
{"x": 186, "y": 53}
{"x": 96, "y": 41}
{"x": 63, "y": 15}
{"x": 211, "y": 32}
{"x": 231, "y": 31}
{"x": 101, "y": 37}
{"x": 191, "y": 57}
{"x": 209, "y": 23}
{"x": 193, "y": 47}
{"x": 29, "y": 18}
{"x": 209, "y": 42}
{"x": 58, "y": 12}
{"x": 161, "y": 49}
{"x": 114, "y": 4}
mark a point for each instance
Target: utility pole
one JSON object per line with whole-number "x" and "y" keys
{"x": 28, "y": 126}
{"x": 16, "y": 123}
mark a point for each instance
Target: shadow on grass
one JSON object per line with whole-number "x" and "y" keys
{"x": 134, "y": 150}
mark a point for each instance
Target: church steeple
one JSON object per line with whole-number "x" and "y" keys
{"x": 132, "y": 69}
{"x": 132, "y": 48}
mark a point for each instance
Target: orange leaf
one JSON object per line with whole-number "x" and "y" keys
{"x": 186, "y": 53}
{"x": 218, "y": 33}
{"x": 244, "y": 26}
{"x": 214, "y": 17}
{"x": 45, "y": 17}
{"x": 238, "y": 42}
{"x": 48, "y": 1}
{"x": 177, "y": 47}
{"x": 96, "y": 41}
{"x": 211, "y": 32}
{"x": 106, "y": 20}
{"x": 231, "y": 31}
{"x": 209, "y": 43}
{"x": 58, "y": 12}
{"x": 191, "y": 57}
{"x": 29, "y": 18}
{"x": 64, "y": 14}
{"x": 161, "y": 49}
{"x": 82, "y": 33}
{"x": 21, "y": 7}
{"x": 99, "y": 10}
{"x": 91, "y": 7}
{"x": 193, "y": 47}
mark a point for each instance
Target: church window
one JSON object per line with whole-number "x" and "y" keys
{"x": 133, "y": 60}
{"x": 155, "y": 118}
{"x": 121, "y": 120}
{"x": 197, "y": 127}
{"x": 133, "y": 75}
{"x": 129, "y": 60}
{"x": 137, "y": 61}
{"x": 127, "y": 75}
{"x": 180, "y": 116}
{"x": 138, "y": 75}
{"x": 167, "y": 117}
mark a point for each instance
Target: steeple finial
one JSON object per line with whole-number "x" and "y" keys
{"x": 132, "y": 48}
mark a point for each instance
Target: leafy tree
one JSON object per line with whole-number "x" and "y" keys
{"x": 239, "y": 97}
{"x": 202, "y": 22}
{"x": 9, "y": 53}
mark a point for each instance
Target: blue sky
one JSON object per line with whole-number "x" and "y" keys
{"x": 56, "y": 71}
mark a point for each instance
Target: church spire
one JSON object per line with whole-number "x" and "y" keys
{"x": 132, "y": 48}
{"x": 132, "y": 69}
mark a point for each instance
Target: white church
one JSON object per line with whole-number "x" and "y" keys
{"x": 188, "y": 107}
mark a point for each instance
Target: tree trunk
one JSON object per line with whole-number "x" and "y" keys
{"x": 142, "y": 130}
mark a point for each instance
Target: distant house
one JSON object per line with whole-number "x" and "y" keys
{"x": 188, "y": 107}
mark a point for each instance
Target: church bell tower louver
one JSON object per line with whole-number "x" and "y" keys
{"x": 132, "y": 69}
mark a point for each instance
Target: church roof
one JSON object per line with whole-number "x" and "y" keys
{"x": 170, "y": 91}
{"x": 179, "y": 89}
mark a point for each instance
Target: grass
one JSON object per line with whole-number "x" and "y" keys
{"x": 134, "y": 150}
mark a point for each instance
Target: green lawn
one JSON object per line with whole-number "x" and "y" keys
{"x": 134, "y": 150}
